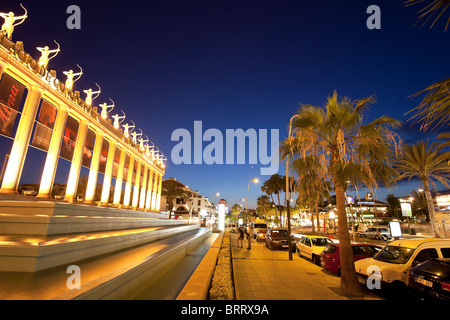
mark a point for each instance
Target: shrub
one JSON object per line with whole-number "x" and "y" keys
{"x": 222, "y": 287}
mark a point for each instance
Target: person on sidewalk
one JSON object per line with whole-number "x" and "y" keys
{"x": 240, "y": 238}
{"x": 249, "y": 237}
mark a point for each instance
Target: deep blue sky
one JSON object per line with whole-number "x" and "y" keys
{"x": 238, "y": 64}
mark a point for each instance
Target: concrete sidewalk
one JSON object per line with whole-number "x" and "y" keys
{"x": 263, "y": 274}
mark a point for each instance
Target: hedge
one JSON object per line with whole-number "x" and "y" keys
{"x": 222, "y": 287}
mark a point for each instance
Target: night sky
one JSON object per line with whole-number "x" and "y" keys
{"x": 236, "y": 64}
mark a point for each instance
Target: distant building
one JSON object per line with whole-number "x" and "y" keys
{"x": 192, "y": 206}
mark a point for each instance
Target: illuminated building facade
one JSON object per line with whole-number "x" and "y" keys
{"x": 49, "y": 115}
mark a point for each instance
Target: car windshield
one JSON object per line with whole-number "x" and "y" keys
{"x": 279, "y": 233}
{"x": 394, "y": 254}
{"x": 320, "y": 242}
{"x": 260, "y": 225}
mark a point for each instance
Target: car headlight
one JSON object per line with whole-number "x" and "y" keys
{"x": 276, "y": 241}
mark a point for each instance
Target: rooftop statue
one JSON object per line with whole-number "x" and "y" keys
{"x": 90, "y": 93}
{"x": 45, "y": 52}
{"x": 104, "y": 112}
{"x": 117, "y": 119}
{"x": 70, "y": 81}
{"x": 10, "y": 19}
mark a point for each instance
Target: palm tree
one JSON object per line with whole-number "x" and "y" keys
{"x": 274, "y": 185}
{"x": 434, "y": 108}
{"x": 419, "y": 205}
{"x": 172, "y": 190}
{"x": 427, "y": 162}
{"x": 355, "y": 152}
{"x": 263, "y": 204}
{"x": 394, "y": 206}
{"x": 437, "y": 7}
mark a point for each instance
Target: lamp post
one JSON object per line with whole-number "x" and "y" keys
{"x": 288, "y": 206}
{"x": 212, "y": 201}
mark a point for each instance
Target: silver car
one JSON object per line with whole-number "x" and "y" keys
{"x": 377, "y": 233}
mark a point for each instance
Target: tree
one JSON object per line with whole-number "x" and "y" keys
{"x": 355, "y": 152}
{"x": 435, "y": 7}
{"x": 434, "y": 110}
{"x": 419, "y": 205}
{"x": 172, "y": 190}
{"x": 394, "y": 207}
{"x": 274, "y": 185}
{"x": 263, "y": 204}
{"x": 427, "y": 162}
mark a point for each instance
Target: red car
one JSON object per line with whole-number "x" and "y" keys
{"x": 329, "y": 259}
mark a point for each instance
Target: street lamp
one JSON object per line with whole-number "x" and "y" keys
{"x": 212, "y": 201}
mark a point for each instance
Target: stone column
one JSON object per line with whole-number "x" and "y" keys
{"x": 51, "y": 161}
{"x": 119, "y": 179}
{"x": 93, "y": 171}
{"x": 136, "y": 186}
{"x": 74, "y": 174}
{"x": 148, "y": 199}
{"x": 144, "y": 188}
{"x": 108, "y": 172}
{"x": 155, "y": 190}
{"x": 126, "y": 200}
{"x": 158, "y": 194}
{"x": 19, "y": 148}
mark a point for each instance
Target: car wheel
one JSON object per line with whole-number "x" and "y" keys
{"x": 316, "y": 259}
{"x": 398, "y": 291}
{"x": 384, "y": 237}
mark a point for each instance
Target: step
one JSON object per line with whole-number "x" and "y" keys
{"x": 50, "y": 218}
{"x": 114, "y": 276}
{"x": 23, "y": 253}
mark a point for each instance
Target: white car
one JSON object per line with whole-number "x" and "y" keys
{"x": 390, "y": 267}
{"x": 232, "y": 227}
{"x": 312, "y": 246}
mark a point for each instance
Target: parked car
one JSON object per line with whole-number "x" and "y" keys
{"x": 330, "y": 260}
{"x": 278, "y": 238}
{"x": 431, "y": 279}
{"x": 393, "y": 263}
{"x": 232, "y": 227}
{"x": 312, "y": 246}
{"x": 377, "y": 233}
{"x": 261, "y": 235}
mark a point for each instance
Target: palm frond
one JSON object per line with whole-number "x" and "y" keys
{"x": 435, "y": 7}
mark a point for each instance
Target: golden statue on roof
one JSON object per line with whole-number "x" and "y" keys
{"x": 10, "y": 19}
{"x": 45, "y": 52}
{"x": 70, "y": 75}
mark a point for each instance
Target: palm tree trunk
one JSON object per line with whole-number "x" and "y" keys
{"x": 276, "y": 212}
{"x": 317, "y": 217}
{"x": 349, "y": 280}
{"x": 430, "y": 205}
{"x": 279, "y": 208}
{"x": 312, "y": 223}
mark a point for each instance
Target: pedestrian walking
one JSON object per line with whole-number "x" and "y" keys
{"x": 240, "y": 238}
{"x": 249, "y": 237}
